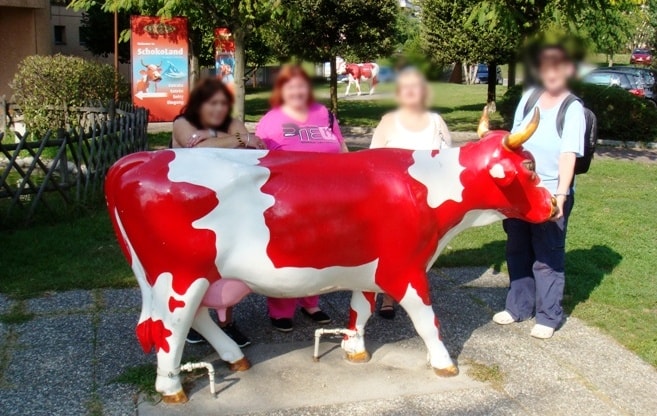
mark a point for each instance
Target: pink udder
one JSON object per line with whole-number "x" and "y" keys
{"x": 223, "y": 294}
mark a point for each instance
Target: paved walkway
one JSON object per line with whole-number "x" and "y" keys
{"x": 64, "y": 361}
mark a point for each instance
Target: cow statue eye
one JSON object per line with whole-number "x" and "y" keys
{"x": 530, "y": 165}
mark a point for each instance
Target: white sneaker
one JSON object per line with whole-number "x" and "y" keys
{"x": 542, "y": 332}
{"x": 503, "y": 318}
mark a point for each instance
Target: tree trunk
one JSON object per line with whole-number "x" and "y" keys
{"x": 240, "y": 69}
{"x": 511, "y": 82}
{"x": 194, "y": 68}
{"x": 492, "y": 84}
{"x": 334, "y": 86}
{"x": 610, "y": 58}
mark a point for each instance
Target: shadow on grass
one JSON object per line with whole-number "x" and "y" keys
{"x": 585, "y": 270}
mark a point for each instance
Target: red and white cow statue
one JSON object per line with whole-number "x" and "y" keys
{"x": 150, "y": 73}
{"x": 202, "y": 228}
{"x": 357, "y": 73}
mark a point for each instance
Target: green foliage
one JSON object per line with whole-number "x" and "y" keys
{"x": 621, "y": 116}
{"x": 318, "y": 30}
{"x": 450, "y": 36}
{"x": 97, "y": 32}
{"x": 44, "y": 85}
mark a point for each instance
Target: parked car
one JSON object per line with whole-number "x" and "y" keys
{"x": 342, "y": 79}
{"x": 482, "y": 75}
{"x": 648, "y": 77}
{"x": 641, "y": 57}
{"x": 386, "y": 74}
{"x": 610, "y": 78}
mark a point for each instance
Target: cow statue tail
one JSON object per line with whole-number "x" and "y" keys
{"x": 147, "y": 329}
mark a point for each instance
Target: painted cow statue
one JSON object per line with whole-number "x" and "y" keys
{"x": 357, "y": 73}
{"x": 202, "y": 228}
{"x": 150, "y": 73}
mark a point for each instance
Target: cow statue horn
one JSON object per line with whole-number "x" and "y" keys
{"x": 483, "y": 127}
{"x": 513, "y": 141}
{"x": 142, "y": 62}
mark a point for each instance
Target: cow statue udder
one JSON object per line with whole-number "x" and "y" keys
{"x": 202, "y": 228}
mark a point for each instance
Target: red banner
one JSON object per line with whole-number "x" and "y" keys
{"x": 160, "y": 65}
{"x": 225, "y": 56}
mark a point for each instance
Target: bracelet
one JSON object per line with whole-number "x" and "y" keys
{"x": 564, "y": 195}
{"x": 239, "y": 139}
{"x": 248, "y": 139}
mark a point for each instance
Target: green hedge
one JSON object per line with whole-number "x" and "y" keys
{"x": 44, "y": 82}
{"x": 621, "y": 116}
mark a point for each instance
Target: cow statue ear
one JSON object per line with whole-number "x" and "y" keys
{"x": 502, "y": 171}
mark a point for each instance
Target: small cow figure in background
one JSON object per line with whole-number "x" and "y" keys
{"x": 202, "y": 228}
{"x": 151, "y": 73}
{"x": 357, "y": 73}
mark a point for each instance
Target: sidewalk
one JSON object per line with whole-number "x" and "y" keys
{"x": 64, "y": 361}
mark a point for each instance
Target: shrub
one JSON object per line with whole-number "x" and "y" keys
{"x": 44, "y": 85}
{"x": 621, "y": 116}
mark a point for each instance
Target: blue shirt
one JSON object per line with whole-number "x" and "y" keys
{"x": 545, "y": 144}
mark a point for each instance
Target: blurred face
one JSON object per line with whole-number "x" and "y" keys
{"x": 411, "y": 91}
{"x": 555, "y": 70}
{"x": 215, "y": 110}
{"x": 295, "y": 93}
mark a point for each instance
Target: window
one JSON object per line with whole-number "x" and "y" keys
{"x": 60, "y": 35}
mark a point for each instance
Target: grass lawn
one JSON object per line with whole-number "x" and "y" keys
{"x": 460, "y": 105}
{"x": 611, "y": 262}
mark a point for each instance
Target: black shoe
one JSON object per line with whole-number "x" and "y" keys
{"x": 319, "y": 316}
{"x": 194, "y": 337}
{"x": 387, "y": 312}
{"x": 282, "y": 324}
{"x": 233, "y": 333}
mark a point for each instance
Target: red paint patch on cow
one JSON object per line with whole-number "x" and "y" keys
{"x": 434, "y": 152}
{"x": 323, "y": 217}
{"x": 370, "y": 297}
{"x": 153, "y": 334}
{"x": 175, "y": 303}
{"x": 436, "y": 322}
{"x": 157, "y": 215}
{"x": 353, "y": 316}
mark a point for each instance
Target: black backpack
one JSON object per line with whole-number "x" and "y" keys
{"x": 583, "y": 163}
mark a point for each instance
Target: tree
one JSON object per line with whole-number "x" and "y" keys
{"x": 241, "y": 16}
{"x": 449, "y": 36}
{"x": 97, "y": 32}
{"x": 321, "y": 30}
{"x": 609, "y": 30}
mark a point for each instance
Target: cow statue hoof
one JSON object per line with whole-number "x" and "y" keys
{"x": 175, "y": 398}
{"x": 358, "y": 357}
{"x": 240, "y": 365}
{"x": 450, "y": 371}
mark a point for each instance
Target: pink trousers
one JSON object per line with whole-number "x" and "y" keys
{"x": 285, "y": 308}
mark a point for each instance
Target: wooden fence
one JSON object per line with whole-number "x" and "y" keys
{"x": 66, "y": 166}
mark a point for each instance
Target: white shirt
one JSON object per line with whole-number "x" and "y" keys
{"x": 434, "y": 136}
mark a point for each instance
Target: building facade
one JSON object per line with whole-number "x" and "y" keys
{"x": 26, "y": 31}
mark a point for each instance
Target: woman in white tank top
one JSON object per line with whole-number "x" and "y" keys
{"x": 412, "y": 126}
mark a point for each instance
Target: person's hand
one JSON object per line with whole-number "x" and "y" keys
{"x": 254, "y": 142}
{"x": 561, "y": 200}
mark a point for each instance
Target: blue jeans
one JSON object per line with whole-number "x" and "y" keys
{"x": 536, "y": 257}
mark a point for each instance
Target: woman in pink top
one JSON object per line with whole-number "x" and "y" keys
{"x": 296, "y": 122}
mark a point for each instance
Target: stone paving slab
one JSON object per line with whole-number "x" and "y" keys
{"x": 5, "y": 304}
{"x": 284, "y": 376}
{"x": 68, "y": 356}
{"x": 61, "y": 302}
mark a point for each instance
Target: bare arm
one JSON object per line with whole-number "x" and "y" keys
{"x": 566, "y": 174}
{"x": 250, "y": 140}
{"x": 183, "y": 132}
{"x": 446, "y": 135}
{"x": 379, "y": 136}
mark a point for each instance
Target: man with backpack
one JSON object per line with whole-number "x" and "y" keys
{"x": 535, "y": 253}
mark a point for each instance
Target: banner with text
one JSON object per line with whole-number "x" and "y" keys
{"x": 160, "y": 65}
{"x": 225, "y": 56}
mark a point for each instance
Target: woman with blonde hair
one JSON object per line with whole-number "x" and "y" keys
{"x": 411, "y": 126}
